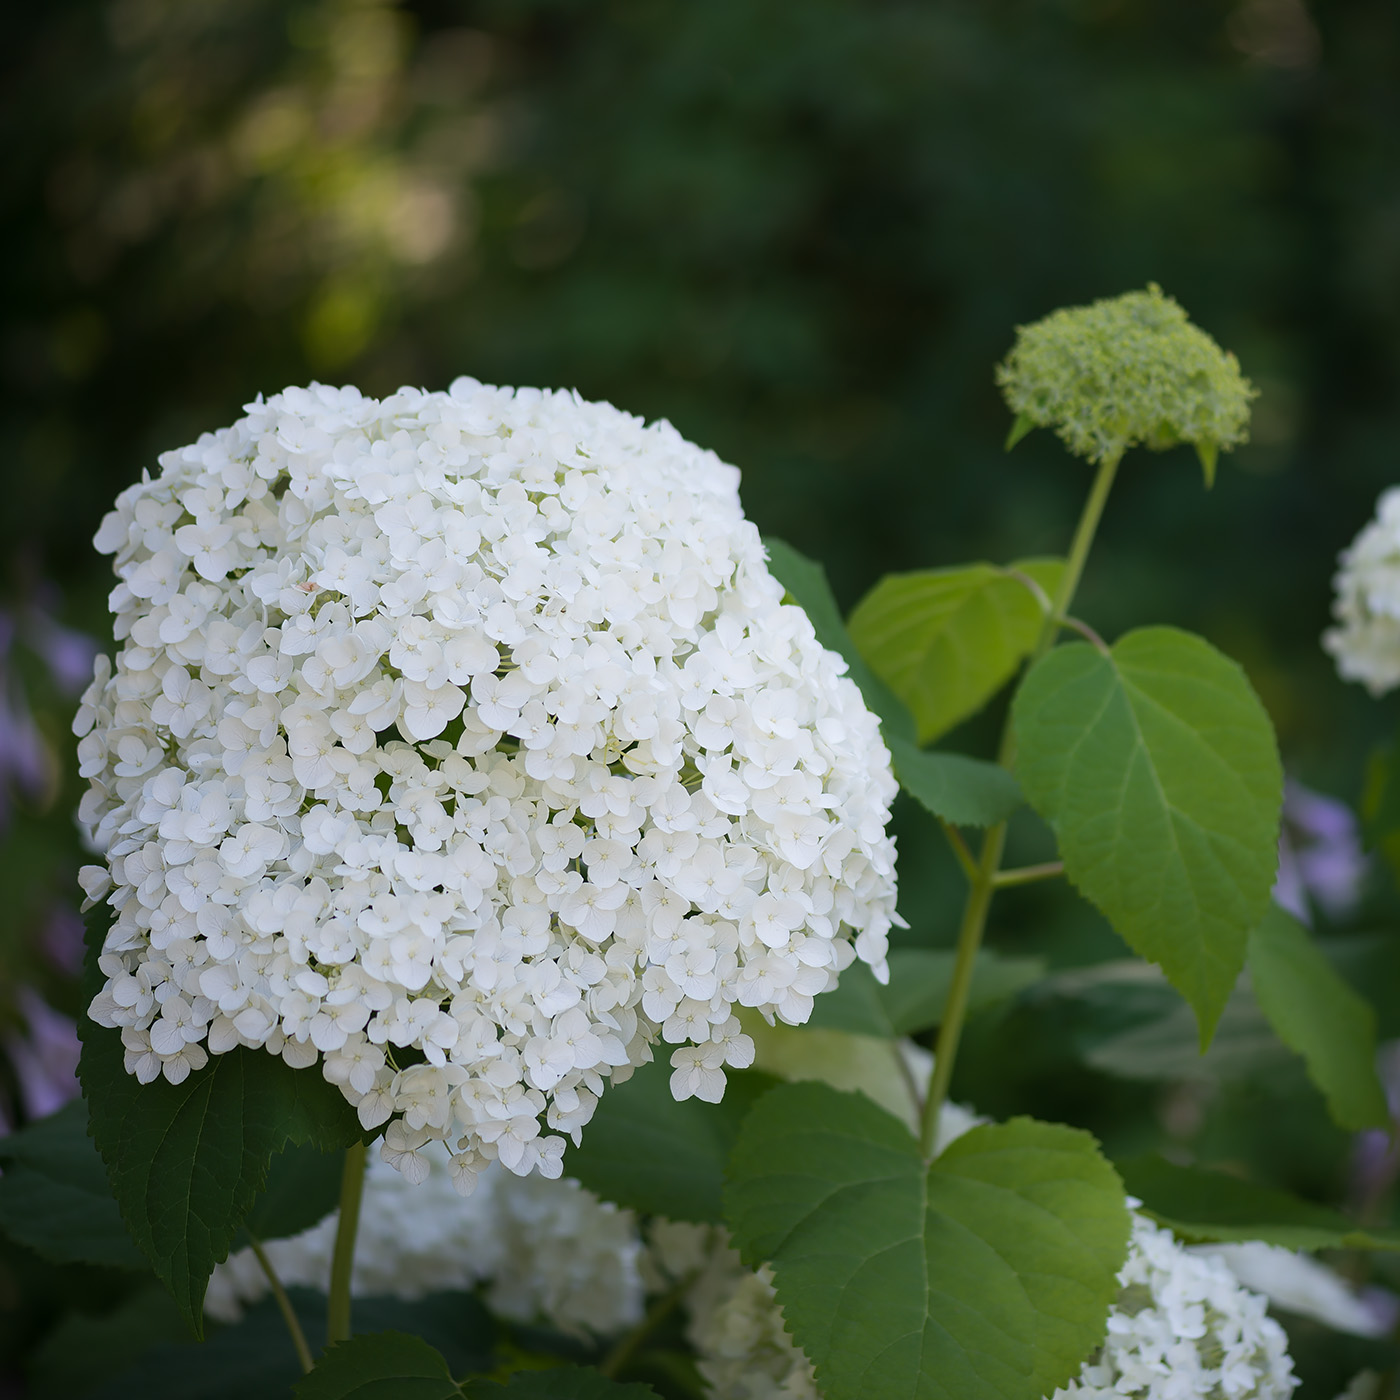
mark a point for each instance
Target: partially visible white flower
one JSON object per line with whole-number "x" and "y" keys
{"x": 470, "y": 725}
{"x": 1299, "y": 1283}
{"x": 543, "y": 1250}
{"x": 1366, "y": 640}
{"x": 1365, "y": 1385}
{"x": 1184, "y": 1328}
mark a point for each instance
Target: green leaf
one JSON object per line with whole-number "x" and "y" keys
{"x": 186, "y": 1162}
{"x": 964, "y": 791}
{"x": 1156, "y": 767}
{"x": 380, "y": 1366}
{"x": 1200, "y": 1204}
{"x": 985, "y": 1276}
{"x": 54, "y": 1195}
{"x": 1022, "y": 424}
{"x": 805, "y": 581}
{"x": 645, "y": 1151}
{"x": 1319, "y": 1016}
{"x": 559, "y": 1383}
{"x": 917, "y": 991}
{"x": 946, "y": 640}
{"x": 303, "y": 1187}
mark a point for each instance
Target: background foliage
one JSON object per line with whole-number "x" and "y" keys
{"x": 802, "y": 232}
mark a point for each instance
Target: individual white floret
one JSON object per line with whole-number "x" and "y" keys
{"x": 1366, "y": 640}
{"x": 463, "y": 743}
{"x": 542, "y": 1250}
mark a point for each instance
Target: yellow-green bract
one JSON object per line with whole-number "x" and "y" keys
{"x": 1127, "y": 371}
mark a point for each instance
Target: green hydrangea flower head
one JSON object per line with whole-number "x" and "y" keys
{"x": 1126, "y": 371}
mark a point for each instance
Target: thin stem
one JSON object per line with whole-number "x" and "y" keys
{"x": 955, "y": 840}
{"x": 987, "y": 877}
{"x": 352, "y": 1189}
{"x": 1075, "y": 624}
{"x": 974, "y": 921}
{"x": 1078, "y": 552}
{"x": 1028, "y": 874}
{"x": 284, "y": 1306}
{"x": 611, "y": 1365}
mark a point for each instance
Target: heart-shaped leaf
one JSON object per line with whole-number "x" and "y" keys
{"x": 987, "y": 1275}
{"x": 1156, "y": 766}
{"x": 946, "y": 640}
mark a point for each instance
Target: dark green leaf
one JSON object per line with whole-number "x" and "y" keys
{"x": 946, "y": 640}
{"x": 54, "y": 1195}
{"x": 1208, "y": 1205}
{"x": 303, "y": 1187}
{"x": 251, "y": 1360}
{"x": 644, "y": 1150}
{"x": 187, "y": 1161}
{"x": 380, "y": 1366}
{"x": 1157, "y": 768}
{"x": 986, "y": 1276}
{"x": 805, "y": 581}
{"x": 1369, "y": 961}
{"x": 964, "y": 791}
{"x": 559, "y": 1383}
{"x": 1318, "y": 1015}
{"x": 917, "y": 991}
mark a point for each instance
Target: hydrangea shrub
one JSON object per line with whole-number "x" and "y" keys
{"x": 466, "y": 752}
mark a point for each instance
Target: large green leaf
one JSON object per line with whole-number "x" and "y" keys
{"x": 1200, "y": 1204}
{"x": 1318, "y": 1015}
{"x": 303, "y": 1187}
{"x": 186, "y": 1162}
{"x": 964, "y": 791}
{"x": 917, "y": 992}
{"x": 1156, "y": 767}
{"x": 645, "y": 1151}
{"x": 559, "y": 1383}
{"x": 54, "y": 1195}
{"x": 806, "y": 583}
{"x": 985, "y": 1276}
{"x": 380, "y": 1366}
{"x": 946, "y": 640}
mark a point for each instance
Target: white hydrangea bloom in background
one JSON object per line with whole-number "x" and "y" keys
{"x": 1366, "y": 640}
{"x": 544, "y": 1250}
{"x": 1184, "y": 1327}
{"x": 462, "y": 742}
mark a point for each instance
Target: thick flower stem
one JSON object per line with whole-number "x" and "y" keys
{"x": 987, "y": 878}
{"x": 284, "y": 1306}
{"x": 352, "y": 1187}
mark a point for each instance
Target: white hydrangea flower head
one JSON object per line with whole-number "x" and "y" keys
{"x": 463, "y": 742}
{"x": 541, "y": 1250}
{"x": 1366, "y": 640}
{"x": 1184, "y": 1328}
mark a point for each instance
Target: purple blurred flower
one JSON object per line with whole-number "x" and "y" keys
{"x": 46, "y": 1059}
{"x": 1320, "y": 860}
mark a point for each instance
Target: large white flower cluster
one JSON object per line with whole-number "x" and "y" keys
{"x": 1184, "y": 1328}
{"x": 541, "y": 1251}
{"x": 463, "y": 741}
{"x": 1366, "y": 640}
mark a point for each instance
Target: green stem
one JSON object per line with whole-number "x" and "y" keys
{"x": 284, "y": 1306}
{"x": 661, "y": 1308}
{"x": 1078, "y": 553}
{"x": 964, "y": 856}
{"x": 1028, "y": 874}
{"x": 352, "y": 1188}
{"x": 986, "y": 879}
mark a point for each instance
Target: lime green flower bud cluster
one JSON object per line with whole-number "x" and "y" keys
{"x": 1127, "y": 371}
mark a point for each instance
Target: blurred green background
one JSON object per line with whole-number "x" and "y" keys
{"x": 802, "y": 231}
